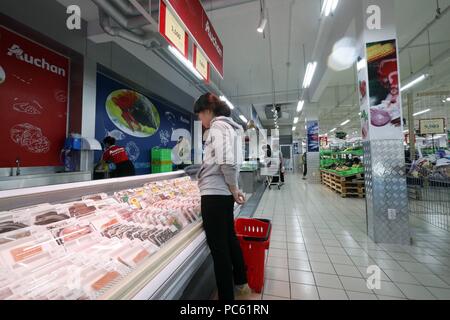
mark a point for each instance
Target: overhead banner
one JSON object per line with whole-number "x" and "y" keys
{"x": 432, "y": 126}
{"x": 197, "y": 23}
{"x": 138, "y": 123}
{"x": 34, "y": 85}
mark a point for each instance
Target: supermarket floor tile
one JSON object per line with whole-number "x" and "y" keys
{"x": 320, "y": 250}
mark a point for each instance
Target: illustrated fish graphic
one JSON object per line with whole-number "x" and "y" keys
{"x": 144, "y": 113}
{"x": 116, "y": 134}
{"x": 32, "y": 108}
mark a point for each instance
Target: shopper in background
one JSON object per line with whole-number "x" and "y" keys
{"x": 118, "y": 156}
{"x": 218, "y": 183}
{"x": 305, "y": 165}
{"x": 282, "y": 169}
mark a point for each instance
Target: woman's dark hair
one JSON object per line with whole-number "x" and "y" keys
{"x": 109, "y": 141}
{"x": 212, "y": 103}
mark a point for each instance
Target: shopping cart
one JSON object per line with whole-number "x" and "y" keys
{"x": 271, "y": 170}
{"x": 254, "y": 237}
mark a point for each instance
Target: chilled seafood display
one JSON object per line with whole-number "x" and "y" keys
{"x": 78, "y": 250}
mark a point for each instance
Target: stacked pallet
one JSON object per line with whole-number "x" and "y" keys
{"x": 346, "y": 186}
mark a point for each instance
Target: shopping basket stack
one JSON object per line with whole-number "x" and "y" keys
{"x": 254, "y": 237}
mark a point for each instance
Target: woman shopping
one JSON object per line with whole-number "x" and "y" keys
{"x": 218, "y": 183}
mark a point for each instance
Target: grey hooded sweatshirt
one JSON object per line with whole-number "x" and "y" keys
{"x": 222, "y": 157}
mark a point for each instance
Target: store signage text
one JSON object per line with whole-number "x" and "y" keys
{"x": 17, "y": 51}
{"x": 432, "y": 126}
{"x": 213, "y": 39}
{"x": 74, "y": 20}
{"x": 201, "y": 63}
{"x": 175, "y": 32}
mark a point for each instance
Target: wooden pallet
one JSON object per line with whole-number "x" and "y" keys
{"x": 352, "y": 186}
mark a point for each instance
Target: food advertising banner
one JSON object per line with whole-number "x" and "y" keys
{"x": 312, "y": 129}
{"x": 138, "y": 123}
{"x": 384, "y": 91}
{"x": 34, "y": 86}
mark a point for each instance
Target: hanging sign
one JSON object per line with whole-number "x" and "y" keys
{"x": 172, "y": 30}
{"x": 432, "y": 126}
{"x": 201, "y": 64}
{"x": 197, "y": 23}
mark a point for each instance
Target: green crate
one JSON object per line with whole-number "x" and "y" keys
{"x": 162, "y": 168}
{"x": 161, "y": 154}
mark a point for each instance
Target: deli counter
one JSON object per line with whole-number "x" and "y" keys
{"x": 127, "y": 238}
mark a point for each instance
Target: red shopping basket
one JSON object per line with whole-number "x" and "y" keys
{"x": 254, "y": 237}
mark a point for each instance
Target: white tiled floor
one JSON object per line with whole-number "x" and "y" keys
{"x": 320, "y": 250}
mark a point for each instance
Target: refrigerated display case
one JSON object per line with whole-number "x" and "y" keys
{"x": 128, "y": 238}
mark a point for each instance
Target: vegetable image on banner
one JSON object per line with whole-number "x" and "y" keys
{"x": 385, "y": 104}
{"x": 137, "y": 122}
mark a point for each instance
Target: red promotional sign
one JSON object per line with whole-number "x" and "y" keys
{"x": 34, "y": 85}
{"x": 194, "y": 17}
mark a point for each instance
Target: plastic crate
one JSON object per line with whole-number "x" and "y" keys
{"x": 161, "y": 154}
{"x": 254, "y": 237}
{"x": 162, "y": 168}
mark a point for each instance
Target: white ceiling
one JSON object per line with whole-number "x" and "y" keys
{"x": 292, "y": 25}
{"x": 247, "y": 77}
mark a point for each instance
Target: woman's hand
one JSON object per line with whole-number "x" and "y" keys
{"x": 239, "y": 197}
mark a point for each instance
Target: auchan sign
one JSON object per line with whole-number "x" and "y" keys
{"x": 197, "y": 23}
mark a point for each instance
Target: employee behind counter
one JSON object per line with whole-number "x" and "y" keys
{"x": 119, "y": 157}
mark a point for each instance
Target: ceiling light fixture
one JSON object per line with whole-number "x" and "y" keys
{"x": 329, "y": 6}
{"x": 414, "y": 82}
{"x": 333, "y": 130}
{"x": 294, "y": 128}
{"x": 309, "y": 75}
{"x": 300, "y": 105}
{"x": 185, "y": 62}
{"x": 262, "y": 19}
{"x": 421, "y": 112}
{"x": 224, "y": 99}
{"x": 345, "y": 122}
{"x": 295, "y": 120}
{"x": 243, "y": 118}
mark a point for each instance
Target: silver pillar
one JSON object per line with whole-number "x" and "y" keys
{"x": 384, "y": 157}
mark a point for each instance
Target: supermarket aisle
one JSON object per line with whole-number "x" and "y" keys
{"x": 320, "y": 250}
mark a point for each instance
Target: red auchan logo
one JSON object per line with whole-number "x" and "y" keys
{"x": 15, "y": 50}
{"x": 213, "y": 38}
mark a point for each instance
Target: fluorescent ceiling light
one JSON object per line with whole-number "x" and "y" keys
{"x": 329, "y": 6}
{"x": 414, "y": 82}
{"x": 224, "y": 99}
{"x": 360, "y": 113}
{"x": 310, "y": 70}
{"x": 405, "y": 131}
{"x": 244, "y": 119}
{"x": 345, "y": 122}
{"x": 361, "y": 64}
{"x": 300, "y": 105}
{"x": 262, "y": 24}
{"x": 333, "y": 130}
{"x": 295, "y": 120}
{"x": 185, "y": 62}
{"x": 421, "y": 112}
{"x": 294, "y": 128}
